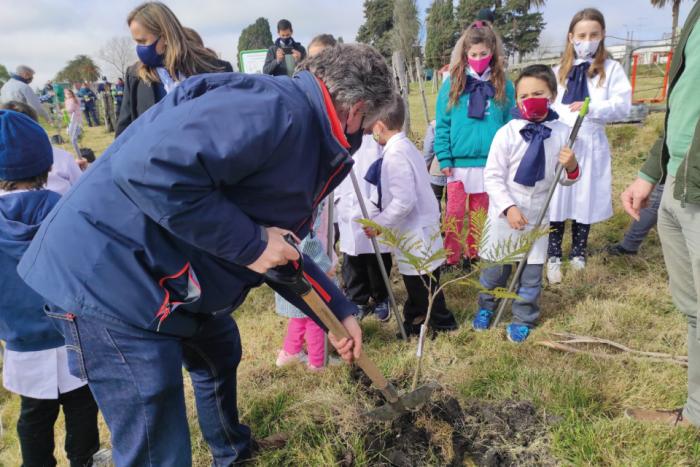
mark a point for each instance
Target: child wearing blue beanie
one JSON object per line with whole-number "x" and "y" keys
{"x": 36, "y": 358}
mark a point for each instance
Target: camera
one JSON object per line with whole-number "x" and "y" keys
{"x": 287, "y": 50}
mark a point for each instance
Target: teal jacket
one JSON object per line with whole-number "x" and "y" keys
{"x": 461, "y": 141}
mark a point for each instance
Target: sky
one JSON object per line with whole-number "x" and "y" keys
{"x": 45, "y": 34}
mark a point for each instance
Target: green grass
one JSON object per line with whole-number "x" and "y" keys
{"x": 583, "y": 398}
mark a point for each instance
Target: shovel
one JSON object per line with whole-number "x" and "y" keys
{"x": 295, "y": 279}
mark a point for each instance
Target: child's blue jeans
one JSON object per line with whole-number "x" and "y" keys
{"x": 526, "y": 310}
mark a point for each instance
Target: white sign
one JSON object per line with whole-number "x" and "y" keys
{"x": 252, "y": 61}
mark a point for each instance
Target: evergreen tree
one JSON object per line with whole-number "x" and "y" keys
{"x": 4, "y": 75}
{"x": 468, "y": 9}
{"x": 406, "y": 28}
{"x": 255, "y": 36}
{"x": 442, "y": 33}
{"x": 81, "y": 68}
{"x": 379, "y": 21}
{"x": 521, "y": 28}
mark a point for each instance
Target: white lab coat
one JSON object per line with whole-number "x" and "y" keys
{"x": 590, "y": 200}
{"x": 408, "y": 202}
{"x": 347, "y": 208}
{"x": 64, "y": 172}
{"x": 507, "y": 151}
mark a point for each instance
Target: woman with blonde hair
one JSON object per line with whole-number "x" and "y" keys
{"x": 167, "y": 53}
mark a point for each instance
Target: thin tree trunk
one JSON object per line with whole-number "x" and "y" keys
{"x": 400, "y": 66}
{"x": 676, "y": 11}
{"x": 419, "y": 73}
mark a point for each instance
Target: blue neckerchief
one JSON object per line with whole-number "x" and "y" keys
{"x": 374, "y": 177}
{"x": 532, "y": 166}
{"x": 19, "y": 78}
{"x": 479, "y": 93}
{"x": 577, "y": 84}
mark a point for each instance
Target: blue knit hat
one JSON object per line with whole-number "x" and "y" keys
{"x": 25, "y": 149}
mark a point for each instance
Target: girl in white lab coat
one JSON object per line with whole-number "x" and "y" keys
{"x": 404, "y": 201}
{"x": 519, "y": 171}
{"x": 586, "y": 70}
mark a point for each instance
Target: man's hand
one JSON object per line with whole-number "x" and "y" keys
{"x": 370, "y": 232}
{"x": 636, "y": 197}
{"x": 348, "y": 349}
{"x": 277, "y": 252}
{"x": 279, "y": 55}
{"x": 575, "y": 106}
{"x": 83, "y": 164}
{"x": 296, "y": 54}
{"x": 516, "y": 220}
{"x": 447, "y": 171}
{"x": 567, "y": 158}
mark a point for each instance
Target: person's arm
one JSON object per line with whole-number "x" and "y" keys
{"x": 652, "y": 170}
{"x": 271, "y": 63}
{"x": 403, "y": 193}
{"x": 33, "y": 100}
{"x": 124, "y": 119}
{"x": 443, "y": 123}
{"x": 510, "y": 101}
{"x": 619, "y": 101}
{"x": 429, "y": 145}
{"x": 176, "y": 167}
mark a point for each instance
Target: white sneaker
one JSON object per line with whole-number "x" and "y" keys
{"x": 554, "y": 270}
{"x": 578, "y": 263}
{"x": 284, "y": 358}
{"x": 102, "y": 458}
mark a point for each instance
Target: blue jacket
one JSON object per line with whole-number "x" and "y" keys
{"x": 168, "y": 218}
{"x": 23, "y": 324}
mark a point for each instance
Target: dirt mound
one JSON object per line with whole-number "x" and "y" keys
{"x": 506, "y": 433}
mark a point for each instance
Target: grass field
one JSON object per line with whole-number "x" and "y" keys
{"x": 576, "y": 401}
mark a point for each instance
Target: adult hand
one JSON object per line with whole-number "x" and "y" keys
{"x": 636, "y": 197}
{"x": 516, "y": 220}
{"x": 575, "y": 106}
{"x": 567, "y": 158}
{"x": 297, "y": 55}
{"x": 447, "y": 171}
{"x": 279, "y": 55}
{"x": 348, "y": 349}
{"x": 277, "y": 252}
{"x": 83, "y": 164}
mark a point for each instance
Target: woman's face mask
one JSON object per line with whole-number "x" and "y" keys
{"x": 586, "y": 49}
{"x": 149, "y": 56}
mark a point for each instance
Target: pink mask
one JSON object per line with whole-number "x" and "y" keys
{"x": 479, "y": 65}
{"x": 534, "y": 108}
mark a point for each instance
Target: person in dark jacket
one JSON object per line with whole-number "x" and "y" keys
{"x": 283, "y": 57}
{"x": 167, "y": 55}
{"x": 118, "y": 93}
{"x": 88, "y": 100}
{"x": 34, "y": 363}
{"x": 176, "y": 222}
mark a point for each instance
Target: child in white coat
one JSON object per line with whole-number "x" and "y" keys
{"x": 404, "y": 201}
{"x": 586, "y": 70}
{"x": 520, "y": 169}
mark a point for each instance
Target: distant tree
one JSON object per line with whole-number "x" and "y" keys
{"x": 255, "y": 36}
{"x": 406, "y": 28}
{"x": 81, "y": 68}
{"x": 520, "y": 28}
{"x": 118, "y": 52}
{"x": 379, "y": 21}
{"x": 675, "y": 12}
{"x": 467, "y": 10}
{"x": 4, "y": 75}
{"x": 442, "y": 32}
{"x": 340, "y": 40}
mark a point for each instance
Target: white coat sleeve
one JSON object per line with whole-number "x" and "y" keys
{"x": 34, "y": 101}
{"x": 403, "y": 194}
{"x": 497, "y": 170}
{"x": 619, "y": 102}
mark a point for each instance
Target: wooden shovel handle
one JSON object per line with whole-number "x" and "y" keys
{"x": 338, "y": 330}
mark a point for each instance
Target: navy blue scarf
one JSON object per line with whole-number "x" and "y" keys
{"x": 19, "y": 78}
{"x": 532, "y": 166}
{"x": 479, "y": 94}
{"x": 374, "y": 177}
{"x": 577, "y": 84}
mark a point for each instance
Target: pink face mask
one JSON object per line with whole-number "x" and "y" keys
{"x": 479, "y": 65}
{"x": 534, "y": 108}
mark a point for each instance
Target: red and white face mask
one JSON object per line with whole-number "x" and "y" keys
{"x": 534, "y": 108}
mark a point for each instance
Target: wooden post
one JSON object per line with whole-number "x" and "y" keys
{"x": 399, "y": 64}
{"x": 419, "y": 70}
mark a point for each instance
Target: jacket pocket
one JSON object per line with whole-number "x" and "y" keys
{"x": 180, "y": 289}
{"x": 65, "y": 322}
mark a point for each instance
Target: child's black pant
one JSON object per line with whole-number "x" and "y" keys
{"x": 579, "y": 239}
{"x": 362, "y": 278}
{"x": 36, "y": 434}
{"x": 416, "y": 307}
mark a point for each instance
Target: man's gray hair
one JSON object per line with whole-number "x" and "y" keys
{"x": 354, "y": 73}
{"x": 24, "y": 69}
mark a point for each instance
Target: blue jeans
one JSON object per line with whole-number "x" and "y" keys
{"x": 638, "y": 231}
{"x": 136, "y": 378}
{"x": 525, "y": 311}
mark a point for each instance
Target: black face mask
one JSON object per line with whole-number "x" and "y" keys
{"x": 355, "y": 139}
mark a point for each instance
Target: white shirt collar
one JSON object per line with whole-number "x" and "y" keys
{"x": 485, "y": 76}
{"x": 398, "y": 136}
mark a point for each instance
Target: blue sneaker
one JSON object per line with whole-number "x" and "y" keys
{"x": 482, "y": 320}
{"x": 362, "y": 311}
{"x": 381, "y": 310}
{"x": 517, "y": 332}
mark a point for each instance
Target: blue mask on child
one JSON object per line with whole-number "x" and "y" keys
{"x": 148, "y": 55}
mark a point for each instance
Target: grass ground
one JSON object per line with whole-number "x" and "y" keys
{"x": 581, "y": 398}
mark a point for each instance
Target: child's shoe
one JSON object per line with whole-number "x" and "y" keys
{"x": 578, "y": 263}
{"x": 482, "y": 320}
{"x": 284, "y": 358}
{"x": 517, "y": 332}
{"x": 362, "y": 311}
{"x": 315, "y": 369}
{"x": 382, "y": 311}
{"x": 554, "y": 270}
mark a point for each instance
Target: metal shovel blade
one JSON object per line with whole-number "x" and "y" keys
{"x": 408, "y": 401}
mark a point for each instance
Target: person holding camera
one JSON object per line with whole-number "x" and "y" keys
{"x": 284, "y": 55}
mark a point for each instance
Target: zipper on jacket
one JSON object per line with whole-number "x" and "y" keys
{"x": 684, "y": 196}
